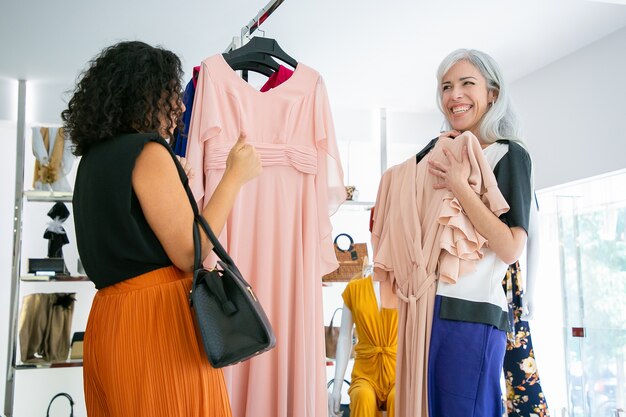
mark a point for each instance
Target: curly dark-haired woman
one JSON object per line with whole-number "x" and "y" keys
{"x": 134, "y": 233}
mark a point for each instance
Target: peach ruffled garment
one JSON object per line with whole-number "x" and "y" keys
{"x": 416, "y": 228}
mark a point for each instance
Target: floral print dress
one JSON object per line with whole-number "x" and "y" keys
{"x": 524, "y": 396}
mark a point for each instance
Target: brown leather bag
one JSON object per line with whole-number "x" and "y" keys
{"x": 331, "y": 336}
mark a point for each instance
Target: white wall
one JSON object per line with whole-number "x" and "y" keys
{"x": 8, "y": 99}
{"x": 45, "y": 101}
{"x": 572, "y": 113}
{"x": 358, "y": 134}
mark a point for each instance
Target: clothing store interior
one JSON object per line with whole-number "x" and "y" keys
{"x": 390, "y": 287}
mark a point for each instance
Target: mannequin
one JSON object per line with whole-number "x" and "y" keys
{"x": 386, "y": 314}
{"x": 532, "y": 260}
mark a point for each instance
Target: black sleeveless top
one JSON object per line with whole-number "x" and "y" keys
{"x": 114, "y": 239}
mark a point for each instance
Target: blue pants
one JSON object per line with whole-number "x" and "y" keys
{"x": 464, "y": 368}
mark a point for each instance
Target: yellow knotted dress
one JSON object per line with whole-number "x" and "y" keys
{"x": 374, "y": 374}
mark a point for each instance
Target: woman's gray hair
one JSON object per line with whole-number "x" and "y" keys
{"x": 500, "y": 120}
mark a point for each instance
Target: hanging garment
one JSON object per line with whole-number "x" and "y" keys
{"x": 279, "y": 231}
{"x": 143, "y": 356}
{"x": 409, "y": 242}
{"x": 180, "y": 144}
{"x": 55, "y": 232}
{"x": 524, "y": 396}
{"x": 374, "y": 372}
{"x": 279, "y": 77}
{"x": 45, "y": 327}
{"x": 54, "y": 159}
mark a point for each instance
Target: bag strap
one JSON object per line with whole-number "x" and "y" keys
{"x": 349, "y": 247}
{"x": 333, "y": 316}
{"x": 199, "y": 219}
{"x": 69, "y": 398}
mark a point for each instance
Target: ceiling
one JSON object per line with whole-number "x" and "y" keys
{"x": 371, "y": 53}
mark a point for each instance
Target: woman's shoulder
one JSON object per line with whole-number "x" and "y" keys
{"x": 138, "y": 139}
{"x": 125, "y": 143}
{"x": 514, "y": 149}
{"x": 507, "y": 153}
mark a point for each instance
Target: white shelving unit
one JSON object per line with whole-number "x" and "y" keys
{"x": 48, "y": 196}
{"x": 29, "y": 202}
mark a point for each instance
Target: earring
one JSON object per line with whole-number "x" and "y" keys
{"x": 492, "y": 102}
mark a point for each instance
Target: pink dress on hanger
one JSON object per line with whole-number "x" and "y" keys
{"x": 279, "y": 231}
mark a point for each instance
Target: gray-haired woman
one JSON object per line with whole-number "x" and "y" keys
{"x": 470, "y": 321}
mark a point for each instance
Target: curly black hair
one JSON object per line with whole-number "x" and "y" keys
{"x": 128, "y": 87}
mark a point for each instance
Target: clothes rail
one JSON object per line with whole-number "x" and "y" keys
{"x": 254, "y": 24}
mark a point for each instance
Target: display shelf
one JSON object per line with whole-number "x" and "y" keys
{"x": 71, "y": 363}
{"x": 84, "y": 287}
{"x": 356, "y": 205}
{"x": 45, "y": 278}
{"x": 48, "y": 196}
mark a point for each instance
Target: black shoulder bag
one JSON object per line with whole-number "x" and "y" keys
{"x": 232, "y": 322}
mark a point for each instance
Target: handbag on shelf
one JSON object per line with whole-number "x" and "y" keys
{"x": 350, "y": 260}
{"x": 69, "y": 398}
{"x": 45, "y": 327}
{"x": 331, "y": 336}
{"x": 232, "y": 322}
{"x": 76, "y": 347}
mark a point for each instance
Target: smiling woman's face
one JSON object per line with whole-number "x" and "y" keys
{"x": 465, "y": 98}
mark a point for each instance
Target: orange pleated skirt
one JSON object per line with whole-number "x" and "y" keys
{"x": 142, "y": 352}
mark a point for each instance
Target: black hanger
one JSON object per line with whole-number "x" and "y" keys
{"x": 421, "y": 154}
{"x": 262, "y": 45}
{"x": 255, "y": 61}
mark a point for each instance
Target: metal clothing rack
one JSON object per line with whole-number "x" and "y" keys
{"x": 253, "y": 25}
{"x": 17, "y": 236}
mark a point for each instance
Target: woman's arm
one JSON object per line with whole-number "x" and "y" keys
{"x": 165, "y": 204}
{"x": 506, "y": 242}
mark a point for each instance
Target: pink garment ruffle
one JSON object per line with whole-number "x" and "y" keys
{"x": 461, "y": 243}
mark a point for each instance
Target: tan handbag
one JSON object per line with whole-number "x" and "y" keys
{"x": 44, "y": 327}
{"x": 350, "y": 260}
{"x": 331, "y": 336}
{"x": 76, "y": 348}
